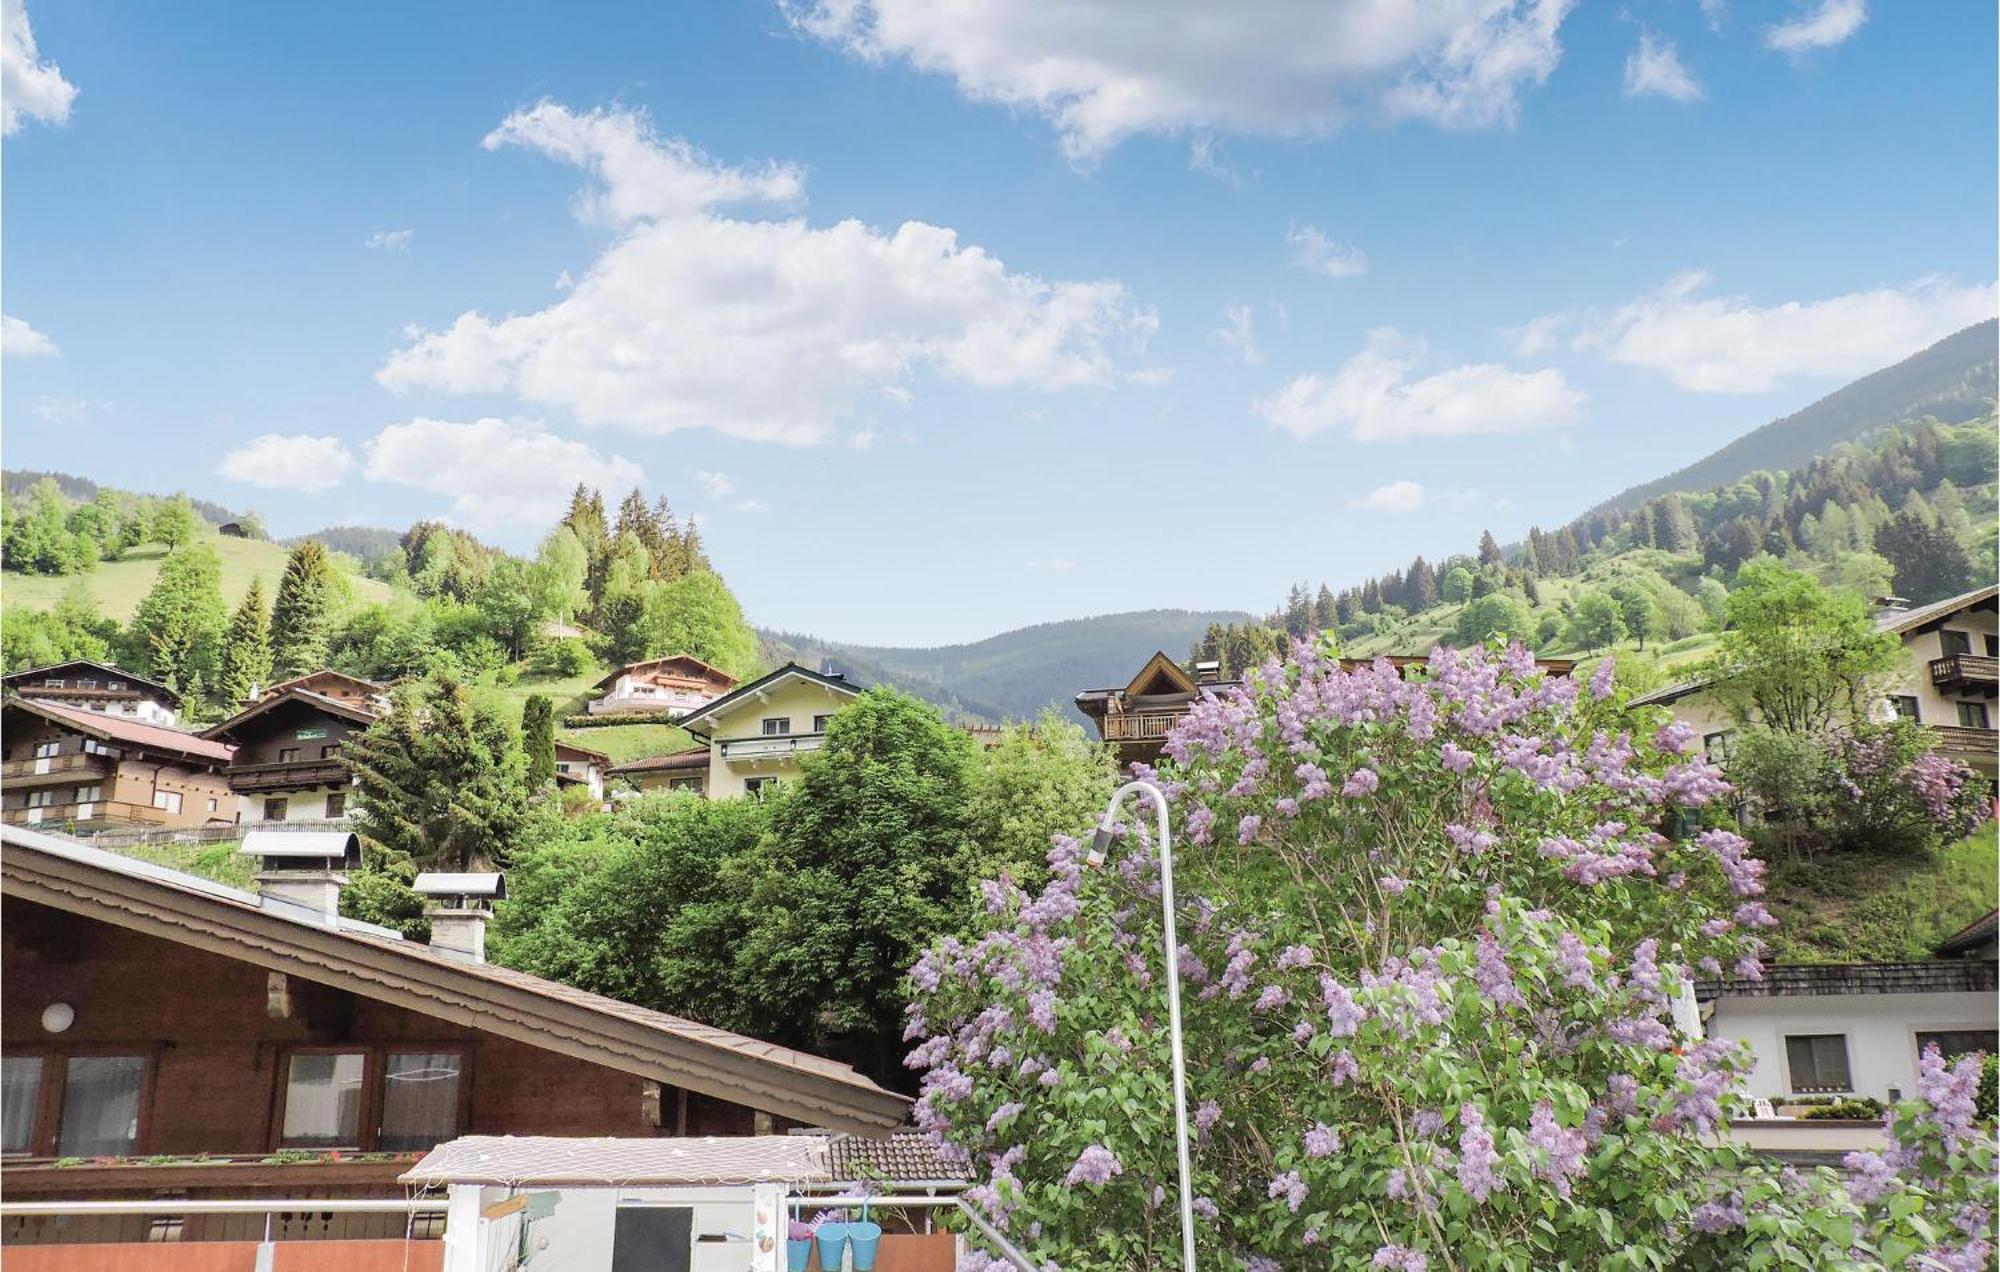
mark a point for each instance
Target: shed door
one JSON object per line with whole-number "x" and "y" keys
{"x": 653, "y": 1239}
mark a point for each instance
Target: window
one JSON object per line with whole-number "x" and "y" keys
{"x": 87, "y": 683}
{"x": 211, "y": 806}
{"x": 819, "y": 723}
{"x": 684, "y": 784}
{"x": 48, "y": 750}
{"x": 91, "y": 746}
{"x": 114, "y": 685}
{"x": 562, "y": 766}
{"x": 1818, "y": 1062}
{"x": 336, "y": 804}
{"x": 44, "y": 798}
{"x": 168, "y": 800}
{"x": 89, "y": 794}
{"x": 329, "y": 751}
{"x": 52, "y": 682}
{"x": 1953, "y": 1043}
{"x": 100, "y": 1106}
{"x": 1906, "y": 706}
{"x": 1717, "y": 746}
{"x": 274, "y": 808}
{"x": 755, "y": 787}
{"x": 288, "y": 755}
{"x": 20, "y": 1102}
{"x": 1954, "y": 642}
{"x": 419, "y": 1100}
{"x": 323, "y": 1100}
{"x": 1972, "y": 715}
{"x": 1993, "y": 646}
{"x": 777, "y": 726}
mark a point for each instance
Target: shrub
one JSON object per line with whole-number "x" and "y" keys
{"x": 566, "y": 657}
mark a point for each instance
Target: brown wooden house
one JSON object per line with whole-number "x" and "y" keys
{"x": 338, "y": 685}
{"x": 98, "y": 686}
{"x": 287, "y": 763}
{"x": 67, "y": 766}
{"x": 149, "y": 1017}
{"x": 675, "y": 684}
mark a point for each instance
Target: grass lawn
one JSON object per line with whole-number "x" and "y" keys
{"x": 120, "y": 585}
{"x": 1861, "y": 907}
{"x": 218, "y": 861}
{"x": 621, "y": 742}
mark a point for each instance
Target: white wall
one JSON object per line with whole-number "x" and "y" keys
{"x": 1881, "y": 1031}
{"x": 306, "y": 805}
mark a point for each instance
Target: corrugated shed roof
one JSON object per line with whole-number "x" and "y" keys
{"x": 550, "y": 1161}
{"x": 113, "y": 728}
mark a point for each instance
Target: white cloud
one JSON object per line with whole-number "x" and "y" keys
{"x": 1150, "y": 377}
{"x": 1727, "y": 344}
{"x": 766, "y": 330}
{"x": 390, "y": 240}
{"x": 1827, "y": 23}
{"x": 716, "y": 485}
{"x": 289, "y": 462}
{"x": 1654, "y": 69}
{"x": 19, "y": 340}
{"x": 499, "y": 473}
{"x": 1536, "y": 336}
{"x": 1372, "y": 398}
{"x": 29, "y": 87}
{"x": 1238, "y": 333}
{"x": 62, "y": 410}
{"x": 1202, "y": 158}
{"x": 862, "y": 439}
{"x": 1313, "y": 250}
{"x": 1105, "y": 70}
{"x": 753, "y": 505}
{"x": 1397, "y": 496}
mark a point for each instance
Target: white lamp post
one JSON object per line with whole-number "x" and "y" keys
{"x": 1099, "y": 842}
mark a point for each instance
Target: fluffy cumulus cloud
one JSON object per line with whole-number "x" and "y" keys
{"x": 19, "y": 340}
{"x": 1728, "y": 344}
{"x": 1105, "y": 70}
{"x": 289, "y": 462}
{"x": 1313, "y": 250}
{"x": 1374, "y": 397}
{"x": 1821, "y": 26}
{"x": 29, "y": 87}
{"x": 1654, "y": 69}
{"x": 770, "y": 330}
{"x": 499, "y": 473}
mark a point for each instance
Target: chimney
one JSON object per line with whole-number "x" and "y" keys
{"x": 1208, "y": 672}
{"x": 301, "y": 872}
{"x": 1889, "y": 606}
{"x": 463, "y": 904}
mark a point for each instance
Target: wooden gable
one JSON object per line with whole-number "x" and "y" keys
{"x": 1161, "y": 675}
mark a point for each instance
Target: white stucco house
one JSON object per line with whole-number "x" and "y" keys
{"x": 1857, "y": 1028}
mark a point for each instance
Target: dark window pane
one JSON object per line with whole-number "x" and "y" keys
{"x": 100, "y": 1108}
{"x": 1953, "y": 1043}
{"x": 1972, "y": 715}
{"x": 323, "y": 1100}
{"x": 20, "y": 1099}
{"x": 1955, "y": 642}
{"x": 419, "y": 1100}
{"x": 1818, "y": 1062}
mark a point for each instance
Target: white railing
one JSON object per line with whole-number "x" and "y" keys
{"x": 777, "y": 747}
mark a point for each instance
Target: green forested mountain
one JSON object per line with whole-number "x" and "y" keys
{"x": 1952, "y": 381}
{"x": 1015, "y": 674}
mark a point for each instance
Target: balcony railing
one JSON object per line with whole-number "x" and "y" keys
{"x": 781, "y": 746}
{"x": 1956, "y": 740}
{"x": 1141, "y": 726}
{"x": 281, "y": 775}
{"x": 101, "y": 812}
{"x": 1966, "y": 670}
{"x": 49, "y": 770}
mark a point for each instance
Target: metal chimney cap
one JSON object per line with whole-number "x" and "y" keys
{"x": 335, "y": 847}
{"x": 467, "y": 884}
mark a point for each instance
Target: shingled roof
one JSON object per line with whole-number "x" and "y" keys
{"x": 125, "y": 730}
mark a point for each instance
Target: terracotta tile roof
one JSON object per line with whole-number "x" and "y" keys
{"x": 695, "y": 757}
{"x": 111, "y": 728}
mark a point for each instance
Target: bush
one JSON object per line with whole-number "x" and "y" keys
{"x": 563, "y": 658}
{"x": 1988, "y": 1104}
{"x": 1865, "y": 1109}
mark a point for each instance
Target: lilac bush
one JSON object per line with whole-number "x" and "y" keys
{"x": 1432, "y": 932}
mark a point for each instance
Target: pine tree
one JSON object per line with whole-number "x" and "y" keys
{"x": 1326, "y": 610}
{"x": 1489, "y": 549}
{"x": 246, "y": 650}
{"x": 538, "y": 740}
{"x": 439, "y": 780}
{"x": 1421, "y": 585}
{"x": 302, "y": 618}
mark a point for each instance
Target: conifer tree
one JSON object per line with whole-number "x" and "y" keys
{"x": 439, "y": 780}
{"x": 1489, "y": 549}
{"x": 178, "y": 627}
{"x": 246, "y": 650}
{"x": 538, "y": 741}
{"x": 302, "y": 618}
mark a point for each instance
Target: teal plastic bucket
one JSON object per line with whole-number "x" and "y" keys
{"x": 864, "y": 1235}
{"x": 798, "y": 1255}
{"x": 833, "y": 1245}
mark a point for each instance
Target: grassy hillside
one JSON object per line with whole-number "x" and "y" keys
{"x": 1953, "y": 381}
{"x": 621, "y": 742}
{"x": 1861, "y": 907}
{"x": 1016, "y": 674}
{"x": 120, "y": 585}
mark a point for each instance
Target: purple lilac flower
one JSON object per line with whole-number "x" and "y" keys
{"x": 1343, "y": 1014}
{"x": 1455, "y": 757}
{"x": 1401, "y": 1259}
{"x": 1291, "y": 1188}
{"x": 1477, "y": 1156}
{"x": 1272, "y": 998}
{"x": 1321, "y": 1140}
{"x": 1393, "y": 885}
{"x": 1207, "y": 1116}
{"x": 1561, "y": 1151}
{"x": 1246, "y": 830}
{"x": 1001, "y": 1114}
{"x": 1952, "y": 1093}
{"x": 1724, "y": 1214}
{"x": 1603, "y": 679}
{"x": 1493, "y": 976}
{"x": 1342, "y": 1068}
{"x": 1361, "y": 782}
{"x": 1094, "y": 1165}
{"x": 1206, "y": 1208}
{"x": 1575, "y": 954}
{"x": 1869, "y": 1176}
{"x": 1294, "y": 956}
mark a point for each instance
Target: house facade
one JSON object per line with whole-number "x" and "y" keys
{"x": 677, "y": 684}
{"x": 96, "y": 686}
{"x": 286, "y": 765}
{"x": 337, "y": 685}
{"x": 581, "y": 767}
{"x": 1946, "y": 680}
{"x": 149, "y": 1015}
{"x": 675, "y": 771}
{"x": 757, "y": 733}
{"x": 74, "y": 767}
{"x": 1857, "y": 1029}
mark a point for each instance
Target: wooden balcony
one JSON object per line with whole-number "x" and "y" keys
{"x": 1976, "y": 746}
{"x": 1141, "y": 726}
{"x": 103, "y": 812}
{"x": 287, "y": 775}
{"x": 773, "y": 749}
{"x": 1966, "y": 673}
{"x": 55, "y": 770}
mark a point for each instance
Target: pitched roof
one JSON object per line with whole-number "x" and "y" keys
{"x": 756, "y": 687}
{"x": 295, "y": 681}
{"x": 633, "y": 669}
{"x": 1669, "y": 693}
{"x": 270, "y": 702}
{"x": 108, "y": 668}
{"x": 906, "y": 1157}
{"x": 124, "y": 729}
{"x": 1970, "y": 937}
{"x": 1161, "y": 674}
{"x": 547, "y": 1161}
{"x": 1840, "y": 980}
{"x": 72, "y": 876}
{"x": 1902, "y": 622}
{"x": 695, "y": 757}
{"x": 573, "y": 749}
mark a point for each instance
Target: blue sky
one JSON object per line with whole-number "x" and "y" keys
{"x": 947, "y": 318}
